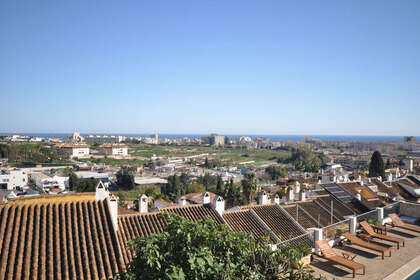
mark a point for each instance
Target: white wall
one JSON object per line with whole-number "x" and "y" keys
{"x": 14, "y": 178}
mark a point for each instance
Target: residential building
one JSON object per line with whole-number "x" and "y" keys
{"x": 104, "y": 139}
{"x": 103, "y": 177}
{"x": 73, "y": 150}
{"x": 47, "y": 181}
{"x": 114, "y": 149}
{"x": 13, "y": 179}
{"x": 216, "y": 140}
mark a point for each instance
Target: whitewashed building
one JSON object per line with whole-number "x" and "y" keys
{"x": 111, "y": 149}
{"x": 73, "y": 150}
{"x": 12, "y": 179}
{"x": 48, "y": 181}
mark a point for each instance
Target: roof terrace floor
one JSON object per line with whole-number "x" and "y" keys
{"x": 376, "y": 268}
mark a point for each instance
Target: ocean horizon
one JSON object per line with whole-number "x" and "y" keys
{"x": 271, "y": 137}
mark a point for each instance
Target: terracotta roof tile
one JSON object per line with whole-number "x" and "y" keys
{"x": 278, "y": 221}
{"x": 146, "y": 224}
{"x": 63, "y": 240}
{"x": 245, "y": 221}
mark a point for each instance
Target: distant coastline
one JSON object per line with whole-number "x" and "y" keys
{"x": 285, "y": 137}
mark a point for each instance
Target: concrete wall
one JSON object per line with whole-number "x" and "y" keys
{"x": 410, "y": 210}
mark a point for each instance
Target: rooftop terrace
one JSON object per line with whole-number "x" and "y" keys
{"x": 402, "y": 263}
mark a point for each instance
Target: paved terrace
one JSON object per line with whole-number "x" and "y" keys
{"x": 376, "y": 268}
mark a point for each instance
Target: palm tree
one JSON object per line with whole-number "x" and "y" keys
{"x": 249, "y": 186}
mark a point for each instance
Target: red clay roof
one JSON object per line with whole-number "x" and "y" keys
{"x": 196, "y": 197}
{"x": 146, "y": 224}
{"x": 279, "y": 222}
{"x": 245, "y": 221}
{"x": 67, "y": 240}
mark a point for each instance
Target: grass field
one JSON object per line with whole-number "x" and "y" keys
{"x": 113, "y": 161}
{"x": 227, "y": 155}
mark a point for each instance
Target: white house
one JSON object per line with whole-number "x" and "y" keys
{"x": 113, "y": 149}
{"x": 12, "y": 179}
{"x": 103, "y": 177}
{"x": 48, "y": 181}
{"x": 74, "y": 150}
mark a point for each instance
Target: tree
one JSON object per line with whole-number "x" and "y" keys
{"x": 219, "y": 185}
{"x": 195, "y": 188}
{"x": 376, "y": 165}
{"x": 232, "y": 194}
{"x": 86, "y": 185}
{"x": 249, "y": 186}
{"x": 73, "y": 181}
{"x": 125, "y": 179}
{"x": 276, "y": 172}
{"x": 205, "y": 250}
{"x": 305, "y": 160}
{"x": 388, "y": 164}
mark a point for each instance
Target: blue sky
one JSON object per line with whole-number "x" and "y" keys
{"x": 235, "y": 67}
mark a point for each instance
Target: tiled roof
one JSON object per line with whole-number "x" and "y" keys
{"x": 391, "y": 191}
{"x": 340, "y": 209}
{"x": 146, "y": 224}
{"x": 245, "y": 221}
{"x": 319, "y": 213}
{"x": 63, "y": 240}
{"x": 196, "y": 197}
{"x": 113, "y": 145}
{"x": 278, "y": 221}
{"x": 303, "y": 218}
{"x": 72, "y": 145}
{"x": 124, "y": 211}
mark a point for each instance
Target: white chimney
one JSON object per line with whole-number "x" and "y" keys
{"x": 182, "y": 201}
{"x": 361, "y": 183}
{"x": 205, "y": 198}
{"x": 297, "y": 187}
{"x": 359, "y": 196}
{"x": 390, "y": 177}
{"x": 263, "y": 199}
{"x": 290, "y": 195}
{"x": 359, "y": 179}
{"x": 219, "y": 205}
{"x": 143, "y": 203}
{"x": 303, "y": 195}
{"x": 276, "y": 199}
{"x": 101, "y": 192}
{"x": 113, "y": 210}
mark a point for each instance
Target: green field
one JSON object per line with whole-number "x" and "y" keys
{"x": 113, "y": 161}
{"x": 226, "y": 155}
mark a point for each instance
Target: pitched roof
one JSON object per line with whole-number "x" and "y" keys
{"x": 301, "y": 217}
{"x": 196, "y": 197}
{"x": 58, "y": 240}
{"x": 245, "y": 221}
{"x": 146, "y": 224}
{"x": 282, "y": 225}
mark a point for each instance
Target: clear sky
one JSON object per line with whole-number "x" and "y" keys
{"x": 234, "y": 67}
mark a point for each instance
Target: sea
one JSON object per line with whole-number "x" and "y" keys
{"x": 273, "y": 138}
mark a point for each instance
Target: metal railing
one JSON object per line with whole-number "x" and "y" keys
{"x": 306, "y": 238}
{"x": 335, "y": 230}
{"x": 392, "y": 208}
{"x": 368, "y": 215}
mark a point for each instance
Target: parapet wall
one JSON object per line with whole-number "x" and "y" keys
{"x": 410, "y": 210}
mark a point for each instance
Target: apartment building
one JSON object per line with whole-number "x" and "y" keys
{"x": 112, "y": 149}
{"x": 13, "y": 179}
{"x": 73, "y": 150}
